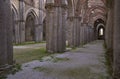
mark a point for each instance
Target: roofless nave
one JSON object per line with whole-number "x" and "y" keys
{"x": 60, "y": 23}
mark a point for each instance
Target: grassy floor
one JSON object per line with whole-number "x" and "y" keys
{"x": 73, "y": 73}
{"x": 26, "y": 55}
{"x": 28, "y": 43}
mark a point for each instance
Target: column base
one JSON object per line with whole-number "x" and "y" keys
{"x": 4, "y": 69}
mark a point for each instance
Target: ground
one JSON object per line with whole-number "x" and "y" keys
{"x": 86, "y": 62}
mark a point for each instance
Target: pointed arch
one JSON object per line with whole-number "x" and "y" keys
{"x": 31, "y": 22}
{"x": 32, "y": 12}
{"x": 15, "y": 25}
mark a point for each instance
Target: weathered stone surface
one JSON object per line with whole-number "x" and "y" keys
{"x": 116, "y": 49}
{"x": 55, "y": 28}
{"x": 6, "y": 49}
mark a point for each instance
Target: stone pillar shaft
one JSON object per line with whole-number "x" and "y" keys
{"x": 75, "y": 30}
{"x": 116, "y": 48}
{"x": 6, "y": 49}
{"x": 55, "y": 29}
{"x": 22, "y": 21}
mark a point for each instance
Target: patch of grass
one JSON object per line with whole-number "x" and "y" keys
{"x": 72, "y": 73}
{"x": 83, "y": 73}
{"x": 2, "y": 77}
{"x": 56, "y": 59}
{"x": 28, "y": 43}
{"x": 16, "y": 68}
{"x": 109, "y": 61}
{"x": 74, "y": 48}
{"x": 26, "y": 55}
{"x": 77, "y": 72}
{"x": 43, "y": 69}
{"x": 40, "y": 68}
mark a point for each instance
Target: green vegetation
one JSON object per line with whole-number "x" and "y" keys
{"x": 28, "y": 43}
{"x": 76, "y": 73}
{"x": 26, "y": 55}
{"x": 74, "y": 48}
{"x": 40, "y": 69}
{"x": 12, "y": 70}
{"x": 54, "y": 59}
{"x": 16, "y": 68}
{"x": 108, "y": 62}
{"x": 2, "y": 77}
{"x": 109, "y": 59}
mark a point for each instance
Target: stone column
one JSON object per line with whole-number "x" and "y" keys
{"x": 91, "y": 34}
{"x": 17, "y": 35}
{"x": 55, "y": 29}
{"x": 6, "y": 49}
{"x": 75, "y": 38}
{"x": 81, "y": 35}
{"x": 78, "y": 24}
{"x": 38, "y": 32}
{"x": 69, "y": 30}
{"x": 85, "y": 33}
{"x": 116, "y": 49}
{"x": 64, "y": 23}
{"x": 22, "y": 20}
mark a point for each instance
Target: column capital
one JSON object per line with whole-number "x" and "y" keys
{"x": 49, "y": 3}
{"x": 84, "y": 24}
{"x": 21, "y": 0}
{"x": 78, "y": 17}
{"x": 70, "y": 18}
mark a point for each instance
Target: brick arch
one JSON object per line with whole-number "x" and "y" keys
{"x": 95, "y": 15}
{"x": 89, "y": 10}
{"x": 99, "y": 16}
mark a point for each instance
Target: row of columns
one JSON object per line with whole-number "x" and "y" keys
{"x": 78, "y": 33}
{"x": 20, "y": 24}
{"x": 57, "y": 28}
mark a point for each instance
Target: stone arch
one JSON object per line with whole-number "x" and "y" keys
{"x": 33, "y": 12}
{"x": 94, "y": 17}
{"x": 89, "y": 11}
{"x": 100, "y": 35}
{"x": 30, "y": 26}
{"x": 15, "y": 25}
{"x": 98, "y": 24}
{"x": 103, "y": 18}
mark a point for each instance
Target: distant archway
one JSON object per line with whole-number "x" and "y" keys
{"x": 101, "y": 32}
{"x": 30, "y": 27}
{"x": 99, "y": 29}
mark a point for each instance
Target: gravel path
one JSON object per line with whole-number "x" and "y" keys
{"x": 82, "y": 63}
